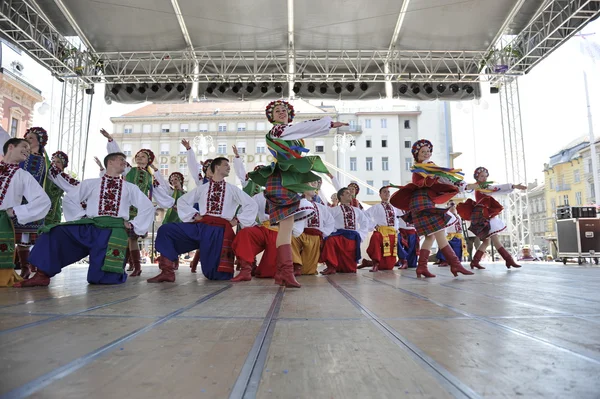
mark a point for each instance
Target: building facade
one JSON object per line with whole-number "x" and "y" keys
{"x": 17, "y": 96}
{"x": 537, "y": 213}
{"x": 588, "y": 176}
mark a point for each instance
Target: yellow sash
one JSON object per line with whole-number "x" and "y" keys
{"x": 267, "y": 224}
{"x": 388, "y": 248}
{"x": 451, "y": 236}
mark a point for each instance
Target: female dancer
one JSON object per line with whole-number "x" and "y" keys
{"x": 483, "y": 214}
{"x": 288, "y": 177}
{"x": 430, "y": 185}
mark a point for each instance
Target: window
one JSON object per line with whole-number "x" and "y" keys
{"x": 165, "y": 128}
{"x": 566, "y": 199}
{"x": 261, "y": 147}
{"x": 353, "y": 164}
{"x": 384, "y": 142}
{"x": 367, "y": 123}
{"x": 407, "y": 144}
{"x": 222, "y": 127}
{"x": 203, "y": 127}
{"x": 182, "y": 149}
{"x": 576, "y": 177}
{"x": 408, "y": 163}
{"x": 320, "y": 146}
{"x": 352, "y": 125}
{"x": 260, "y": 126}
{"x": 184, "y": 127}
{"x": 183, "y": 169}
{"x": 146, "y": 128}
{"x": 578, "y": 200}
{"x": 383, "y": 123}
{"x": 241, "y": 147}
{"x": 369, "y": 189}
{"x": 407, "y": 123}
{"x": 127, "y": 149}
{"x": 241, "y": 127}
{"x": 368, "y": 141}
{"x": 222, "y": 148}
{"x": 385, "y": 165}
{"x": 369, "y": 163}
{"x": 164, "y": 148}
{"x": 385, "y": 183}
{"x": 553, "y": 204}
{"x": 128, "y": 129}
{"x": 551, "y": 184}
{"x": 14, "y": 127}
{"x": 164, "y": 169}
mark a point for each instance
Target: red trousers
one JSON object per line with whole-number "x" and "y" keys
{"x": 339, "y": 253}
{"x": 375, "y": 251}
{"x": 251, "y": 241}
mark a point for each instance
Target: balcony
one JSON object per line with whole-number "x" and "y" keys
{"x": 351, "y": 129}
{"x": 562, "y": 187}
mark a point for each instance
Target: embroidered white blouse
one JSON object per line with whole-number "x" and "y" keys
{"x": 321, "y": 219}
{"x": 350, "y": 218}
{"x": 15, "y": 183}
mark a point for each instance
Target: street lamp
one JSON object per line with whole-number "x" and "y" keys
{"x": 204, "y": 143}
{"x": 343, "y": 141}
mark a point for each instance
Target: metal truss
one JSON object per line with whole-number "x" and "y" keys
{"x": 32, "y": 32}
{"x": 555, "y": 22}
{"x": 73, "y": 127}
{"x": 517, "y": 217}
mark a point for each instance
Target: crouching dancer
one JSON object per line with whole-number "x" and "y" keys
{"x": 100, "y": 230}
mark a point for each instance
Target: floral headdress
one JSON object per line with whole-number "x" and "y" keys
{"x": 149, "y": 153}
{"x": 271, "y": 107}
{"x": 177, "y": 175}
{"x": 480, "y": 170}
{"x": 356, "y": 188}
{"x": 41, "y": 133}
{"x": 206, "y": 165}
{"x": 416, "y": 147}
{"x": 63, "y": 157}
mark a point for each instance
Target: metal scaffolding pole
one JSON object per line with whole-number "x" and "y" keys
{"x": 517, "y": 212}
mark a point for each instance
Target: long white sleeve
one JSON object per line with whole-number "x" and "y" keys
{"x": 363, "y": 223}
{"x": 38, "y": 202}
{"x": 249, "y": 208}
{"x": 185, "y": 204}
{"x": 112, "y": 146}
{"x": 328, "y": 221}
{"x": 336, "y": 183}
{"x": 164, "y": 184}
{"x": 145, "y": 209}
{"x": 72, "y": 208}
{"x": 240, "y": 170}
{"x": 371, "y": 217}
{"x": 501, "y": 189}
{"x": 193, "y": 166}
{"x": 301, "y": 130}
{"x": 62, "y": 180}
{"x": 162, "y": 197}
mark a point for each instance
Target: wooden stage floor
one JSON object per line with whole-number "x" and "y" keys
{"x": 530, "y": 333}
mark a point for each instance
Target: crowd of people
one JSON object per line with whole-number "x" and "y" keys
{"x": 280, "y": 212}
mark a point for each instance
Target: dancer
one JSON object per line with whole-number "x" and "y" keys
{"x": 341, "y": 250}
{"x": 408, "y": 243}
{"x": 307, "y": 247}
{"x": 383, "y": 248}
{"x": 99, "y": 231}
{"x": 208, "y": 229}
{"x": 141, "y": 176}
{"x": 289, "y": 176}
{"x": 248, "y": 185}
{"x": 430, "y": 185}
{"x": 16, "y": 185}
{"x": 455, "y": 238}
{"x": 354, "y": 190}
{"x": 483, "y": 214}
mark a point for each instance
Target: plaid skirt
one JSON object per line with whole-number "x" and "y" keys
{"x": 423, "y": 214}
{"x": 283, "y": 203}
{"x": 484, "y": 227}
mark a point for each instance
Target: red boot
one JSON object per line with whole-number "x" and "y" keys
{"x": 329, "y": 270}
{"x": 422, "y": 264}
{"x": 375, "y": 267}
{"x": 365, "y": 263}
{"x": 136, "y": 260}
{"x": 128, "y": 259}
{"x": 506, "y": 256}
{"x": 403, "y": 264}
{"x": 297, "y": 269}
{"x": 194, "y": 262}
{"x": 167, "y": 272}
{"x": 245, "y": 273}
{"x": 455, "y": 265}
{"x": 285, "y": 266}
{"x": 23, "y": 253}
{"x": 40, "y": 279}
{"x": 476, "y": 260}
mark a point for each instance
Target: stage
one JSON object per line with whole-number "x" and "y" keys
{"x": 529, "y": 332}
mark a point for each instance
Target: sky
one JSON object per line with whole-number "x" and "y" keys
{"x": 553, "y": 111}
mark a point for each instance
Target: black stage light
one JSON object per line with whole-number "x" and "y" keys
{"x": 89, "y": 90}
{"x": 415, "y": 88}
{"x": 454, "y": 88}
{"x": 403, "y": 88}
{"x": 180, "y": 87}
{"x": 350, "y": 87}
{"x": 297, "y": 87}
{"x": 441, "y": 88}
{"x": 337, "y": 87}
{"x": 311, "y": 87}
{"x": 278, "y": 88}
{"x": 264, "y": 87}
{"x": 155, "y": 87}
{"x": 364, "y": 86}
{"x": 236, "y": 87}
{"x": 428, "y": 89}
{"x": 168, "y": 87}
{"x": 223, "y": 87}
{"x": 115, "y": 89}
{"x": 250, "y": 87}
{"x": 130, "y": 89}
{"x": 323, "y": 88}
{"x": 211, "y": 88}
{"x": 468, "y": 89}
{"x": 494, "y": 90}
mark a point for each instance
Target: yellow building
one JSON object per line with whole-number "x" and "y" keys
{"x": 565, "y": 183}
